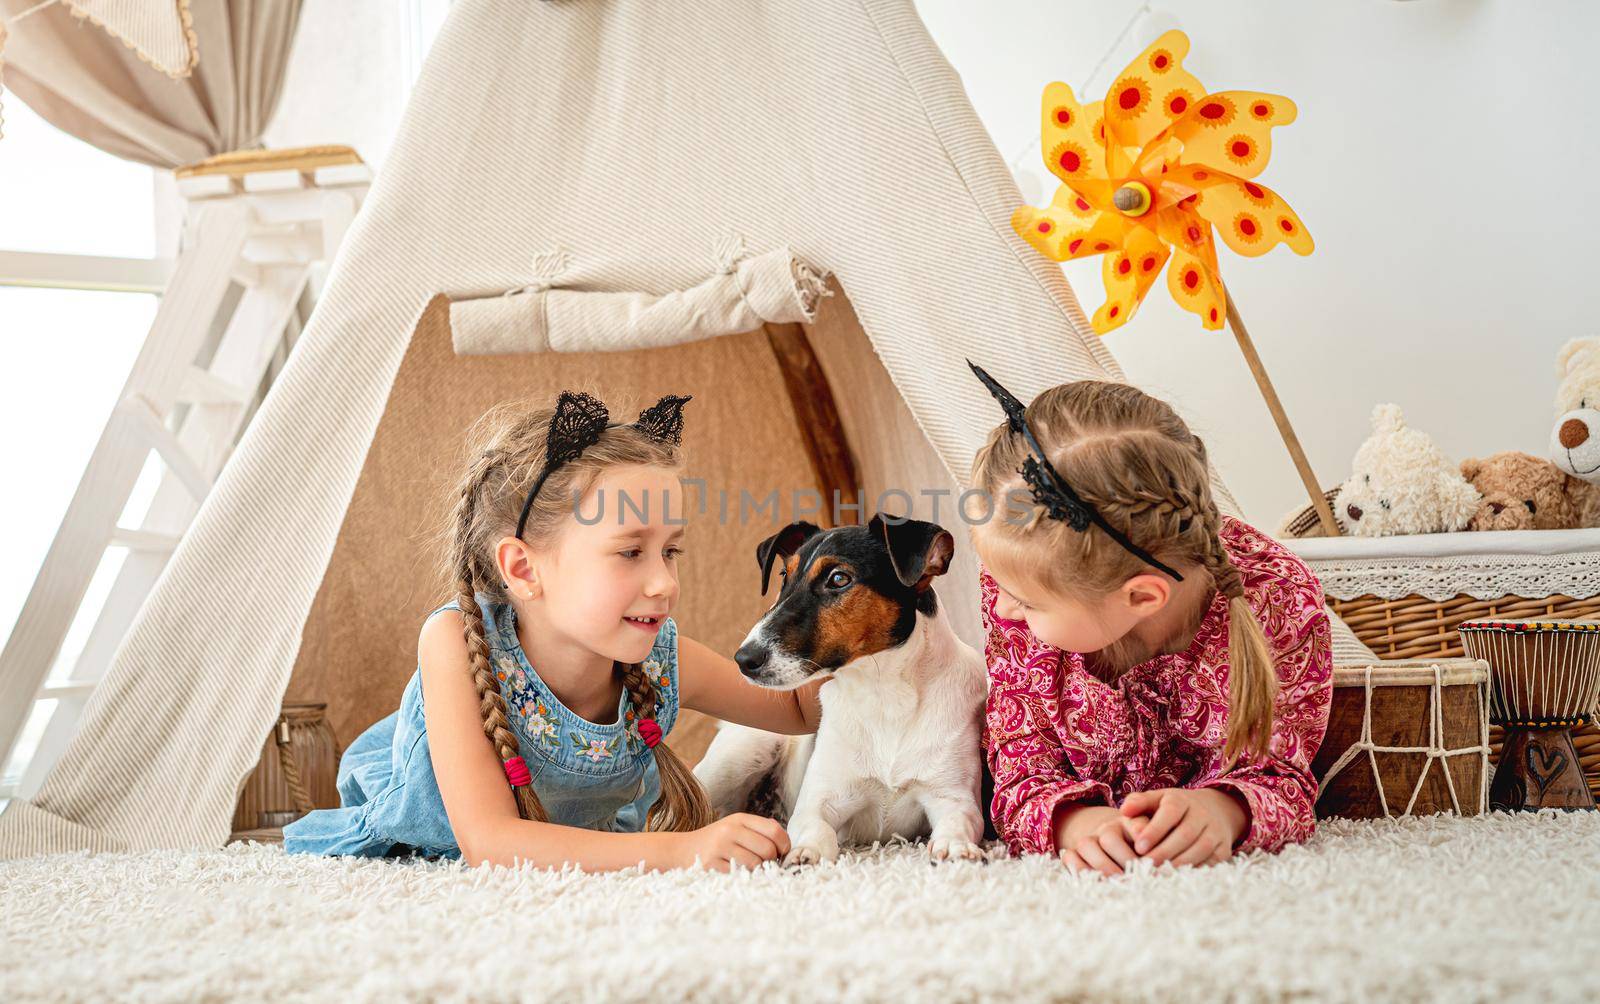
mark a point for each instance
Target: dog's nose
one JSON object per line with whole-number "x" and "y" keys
{"x": 1573, "y": 434}
{"x": 751, "y": 657}
{"x": 1354, "y": 511}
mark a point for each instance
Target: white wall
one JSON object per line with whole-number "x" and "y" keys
{"x": 351, "y": 72}
{"x": 1442, "y": 162}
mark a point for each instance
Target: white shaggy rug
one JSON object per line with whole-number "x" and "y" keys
{"x": 1493, "y": 908}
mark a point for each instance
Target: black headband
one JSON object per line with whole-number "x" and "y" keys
{"x": 1049, "y": 488}
{"x": 580, "y": 419}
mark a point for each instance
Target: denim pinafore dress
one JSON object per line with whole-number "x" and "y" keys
{"x": 596, "y": 776}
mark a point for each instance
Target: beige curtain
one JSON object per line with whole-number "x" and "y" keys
{"x": 93, "y": 86}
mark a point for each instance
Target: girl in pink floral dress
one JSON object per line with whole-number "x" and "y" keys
{"x": 1160, "y": 674}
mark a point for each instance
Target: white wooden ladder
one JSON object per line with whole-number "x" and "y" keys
{"x": 263, "y": 220}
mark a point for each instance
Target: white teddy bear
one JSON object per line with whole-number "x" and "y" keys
{"x": 1403, "y": 484}
{"x": 1575, "y": 440}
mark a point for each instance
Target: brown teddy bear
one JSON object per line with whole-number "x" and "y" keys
{"x": 1523, "y": 492}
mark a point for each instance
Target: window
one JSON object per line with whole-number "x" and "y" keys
{"x": 77, "y": 296}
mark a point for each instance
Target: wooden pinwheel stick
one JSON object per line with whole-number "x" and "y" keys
{"x": 1313, "y": 488}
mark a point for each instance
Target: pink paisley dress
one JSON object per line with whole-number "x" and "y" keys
{"x": 1055, "y": 733}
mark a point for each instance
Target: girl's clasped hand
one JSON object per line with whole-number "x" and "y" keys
{"x": 1181, "y": 826}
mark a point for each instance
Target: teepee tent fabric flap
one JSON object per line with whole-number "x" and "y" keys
{"x": 774, "y": 287}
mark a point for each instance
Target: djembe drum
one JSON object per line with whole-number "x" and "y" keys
{"x": 1405, "y": 738}
{"x": 1544, "y": 682}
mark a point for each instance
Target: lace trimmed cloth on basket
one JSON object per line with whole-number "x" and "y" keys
{"x": 1439, "y": 566}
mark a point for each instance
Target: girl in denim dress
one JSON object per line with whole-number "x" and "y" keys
{"x": 532, "y": 729}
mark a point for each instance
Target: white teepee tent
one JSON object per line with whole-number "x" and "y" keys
{"x": 597, "y": 148}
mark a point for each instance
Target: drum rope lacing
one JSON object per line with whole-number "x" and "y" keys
{"x": 1433, "y": 750}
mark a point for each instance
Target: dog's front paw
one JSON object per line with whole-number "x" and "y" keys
{"x": 811, "y": 852}
{"x": 801, "y": 856}
{"x": 956, "y": 849}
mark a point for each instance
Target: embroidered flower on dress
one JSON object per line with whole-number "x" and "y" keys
{"x": 656, "y": 672}
{"x": 540, "y": 723}
{"x": 543, "y": 729}
{"x": 505, "y": 668}
{"x": 595, "y": 749}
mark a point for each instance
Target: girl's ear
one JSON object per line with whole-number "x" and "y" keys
{"x": 514, "y": 558}
{"x": 1146, "y": 594}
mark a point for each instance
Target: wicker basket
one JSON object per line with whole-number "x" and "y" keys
{"x": 1414, "y": 627}
{"x": 298, "y": 771}
{"x": 1305, "y": 522}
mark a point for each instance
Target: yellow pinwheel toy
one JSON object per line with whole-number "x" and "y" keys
{"x": 1148, "y": 172}
{"x": 1145, "y": 176}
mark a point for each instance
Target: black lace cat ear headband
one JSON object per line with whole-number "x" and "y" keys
{"x": 580, "y": 419}
{"x": 1049, "y": 488}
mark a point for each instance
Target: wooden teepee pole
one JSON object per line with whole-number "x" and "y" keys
{"x": 1318, "y": 501}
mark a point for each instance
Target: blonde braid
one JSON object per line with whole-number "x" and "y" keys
{"x": 491, "y": 703}
{"x": 1252, "y": 675}
{"x": 682, "y": 805}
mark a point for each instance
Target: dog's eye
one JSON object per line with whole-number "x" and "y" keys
{"x": 838, "y": 579}
{"x": 1384, "y": 503}
{"x": 1530, "y": 505}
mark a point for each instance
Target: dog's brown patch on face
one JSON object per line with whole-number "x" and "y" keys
{"x": 856, "y": 624}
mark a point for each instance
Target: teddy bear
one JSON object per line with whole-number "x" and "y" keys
{"x": 1524, "y": 492}
{"x": 1402, "y": 483}
{"x": 1575, "y": 439}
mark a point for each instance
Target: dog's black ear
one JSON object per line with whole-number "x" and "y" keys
{"x": 780, "y": 545}
{"x": 919, "y": 551}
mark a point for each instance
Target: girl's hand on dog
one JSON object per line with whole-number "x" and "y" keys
{"x": 740, "y": 838}
{"x": 1188, "y": 826}
{"x": 1096, "y": 838}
